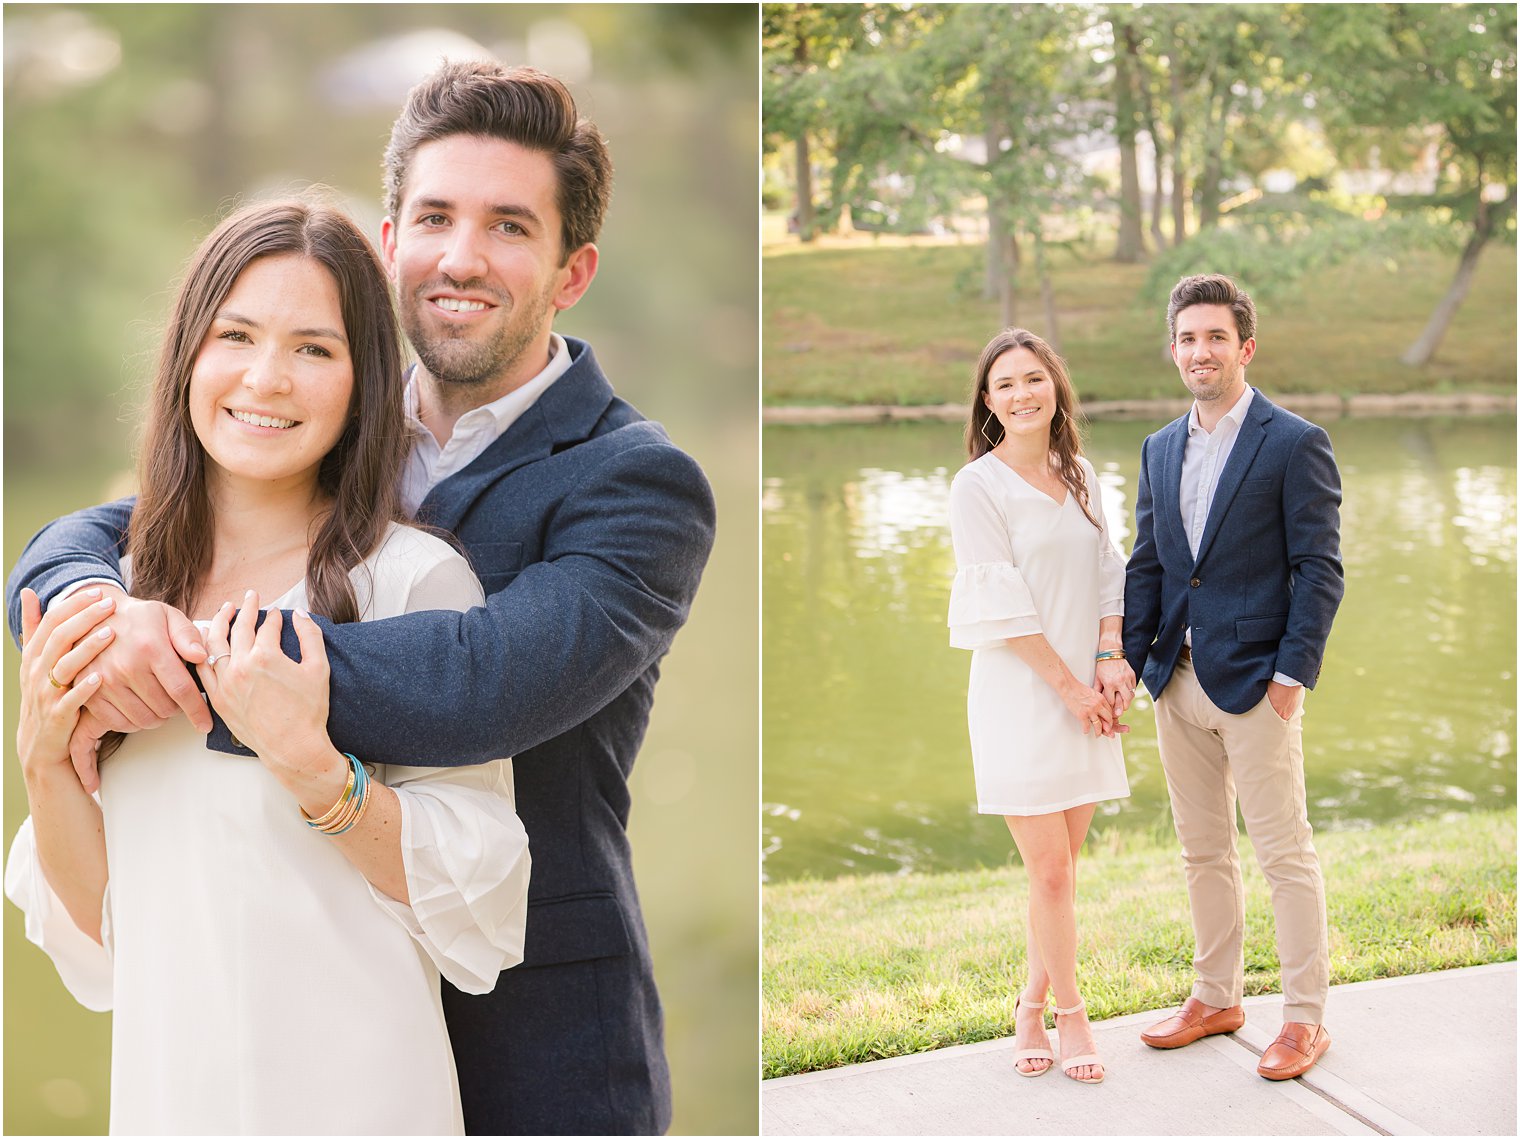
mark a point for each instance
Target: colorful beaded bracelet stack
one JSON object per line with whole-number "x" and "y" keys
{"x": 349, "y": 808}
{"x": 1110, "y": 654}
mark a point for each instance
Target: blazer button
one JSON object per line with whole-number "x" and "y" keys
{"x": 1195, "y": 583}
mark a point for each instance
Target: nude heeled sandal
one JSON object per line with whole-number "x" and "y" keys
{"x": 1078, "y": 1061}
{"x": 1031, "y": 1053}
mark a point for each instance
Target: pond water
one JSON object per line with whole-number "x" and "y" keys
{"x": 866, "y": 762}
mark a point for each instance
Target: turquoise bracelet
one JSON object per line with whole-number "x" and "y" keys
{"x": 350, "y": 806}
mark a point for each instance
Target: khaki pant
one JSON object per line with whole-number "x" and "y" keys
{"x": 1209, "y": 758}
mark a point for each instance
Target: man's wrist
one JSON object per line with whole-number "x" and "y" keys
{"x": 1285, "y": 679}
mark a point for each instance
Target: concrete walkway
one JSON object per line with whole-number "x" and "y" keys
{"x": 1460, "y": 1080}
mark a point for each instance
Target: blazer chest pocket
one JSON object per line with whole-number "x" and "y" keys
{"x": 496, "y": 563}
{"x": 1256, "y": 486}
{"x": 1261, "y": 628}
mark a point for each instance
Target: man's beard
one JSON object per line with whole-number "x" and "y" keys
{"x": 460, "y": 360}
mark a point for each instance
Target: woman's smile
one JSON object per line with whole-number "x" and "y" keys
{"x": 273, "y": 381}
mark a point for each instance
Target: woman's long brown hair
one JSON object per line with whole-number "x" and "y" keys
{"x": 170, "y": 536}
{"x": 1065, "y": 427}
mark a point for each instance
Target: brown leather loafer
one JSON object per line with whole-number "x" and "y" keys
{"x": 1294, "y": 1052}
{"x": 1189, "y": 1023}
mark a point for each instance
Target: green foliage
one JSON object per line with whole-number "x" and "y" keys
{"x": 1271, "y": 246}
{"x": 1399, "y": 70}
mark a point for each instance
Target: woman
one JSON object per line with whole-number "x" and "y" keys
{"x": 270, "y": 931}
{"x": 1039, "y": 597}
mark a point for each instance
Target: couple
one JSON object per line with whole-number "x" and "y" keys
{"x": 1224, "y": 609}
{"x": 268, "y": 897}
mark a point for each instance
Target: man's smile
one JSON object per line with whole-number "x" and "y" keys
{"x": 459, "y": 304}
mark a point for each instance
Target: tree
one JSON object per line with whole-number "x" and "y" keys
{"x": 1406, "y": 69}
{"x": 1127, "y": 122}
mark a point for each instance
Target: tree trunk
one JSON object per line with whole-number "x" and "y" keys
{"x": 1179, "y": 179}
{"x": 1047, "y": 293}
{"x": 1131, "y": 244}
{"x": 1419, "y": 353}
{"x": 1008, "y": 260}
{"x": 997, "y": 227}
{"x": 1213, "y": 155}
{"x": 1148, "y": 116}
{"x": 805, "y": 219}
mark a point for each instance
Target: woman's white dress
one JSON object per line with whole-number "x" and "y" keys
{"x": 1026, "y": 565}
{"x": 259, "y": 983}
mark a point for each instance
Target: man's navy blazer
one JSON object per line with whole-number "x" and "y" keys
{"x": 1264, "y": 588}
{"x": 589, "y": 530}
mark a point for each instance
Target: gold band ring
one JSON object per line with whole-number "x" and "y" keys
{"x": 54, "y": 681}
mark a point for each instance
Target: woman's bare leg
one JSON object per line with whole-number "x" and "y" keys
{"x": 1048, "y": 845}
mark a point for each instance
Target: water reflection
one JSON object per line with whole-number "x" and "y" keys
{"x": 866, "y": 763}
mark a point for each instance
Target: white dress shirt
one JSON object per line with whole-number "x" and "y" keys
{"x": 1203, "y": 461}
{"x": 429, "y": 464}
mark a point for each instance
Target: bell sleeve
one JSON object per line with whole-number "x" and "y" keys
{"x": 989, "y": 599}
{"x": 466, "y": 859}
{"x": 463, "y": 848}
{"x": 84, "y": 965}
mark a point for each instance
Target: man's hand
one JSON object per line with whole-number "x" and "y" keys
{"x": 144, "y": 680}
{"x": 1284, "y": 698}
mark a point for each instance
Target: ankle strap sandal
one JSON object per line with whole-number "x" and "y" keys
{"x": 1086, "y": 1058}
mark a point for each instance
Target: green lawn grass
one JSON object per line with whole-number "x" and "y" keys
{"x": 895, "y": 321}
{"x": 862, "y": 968}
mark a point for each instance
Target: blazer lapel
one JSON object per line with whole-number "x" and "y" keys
{"x": 1169, "y": 494}
{"x": 566, "y": 414}
{"x": 1253, "y": 430}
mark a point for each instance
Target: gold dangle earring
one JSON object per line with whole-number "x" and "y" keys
{"x": 990, "y": 441}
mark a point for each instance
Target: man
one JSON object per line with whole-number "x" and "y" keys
{"x": 589, "y": 531}
{"x": 1229, "y": 595}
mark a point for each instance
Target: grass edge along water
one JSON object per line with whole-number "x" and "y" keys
{"x": 869, "y": 967}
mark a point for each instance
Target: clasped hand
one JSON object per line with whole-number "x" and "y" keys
{"x": 138, "y": 680}
{"x": 141, "y": 666}
{"x": 1099, "y": 707}
{"x": 1115, "y": 680}
{"x": 270, "y": 703}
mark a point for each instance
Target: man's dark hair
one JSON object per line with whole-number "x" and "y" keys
{"x": 1211, "y": 289}
{"x": 516, "y": 104}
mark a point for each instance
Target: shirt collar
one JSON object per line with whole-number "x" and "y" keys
{"x": 1236, "y": 415}
{"x": 502, "y": 412}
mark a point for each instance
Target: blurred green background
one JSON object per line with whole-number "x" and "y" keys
{"x": 130, "y": 129}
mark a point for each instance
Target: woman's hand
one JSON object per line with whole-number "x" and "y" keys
{"x": 1092, "y": 709}
{"x": 272, "y": 704}
{"x": 1116, "y": 682}
{"x": 56, "y": 649}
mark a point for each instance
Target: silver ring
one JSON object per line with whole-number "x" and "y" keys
{"x": 211, "y": 660}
